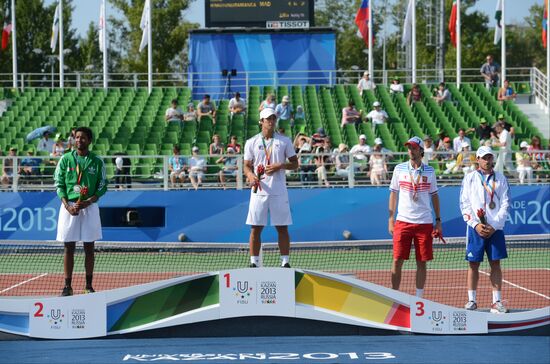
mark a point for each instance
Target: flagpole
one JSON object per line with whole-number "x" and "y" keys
{"x": 104, "y": 40}
{"x": 458, "y": 46}
{"x": 413, "y": 33}
{"x": 371, "y": 60}
{"x": 13, "y": 44}
{"x": 61, "y": 60}
{"x": 503, "y": 45}
{"x": 149, "y": 50}
{"x": 547, "y": 58}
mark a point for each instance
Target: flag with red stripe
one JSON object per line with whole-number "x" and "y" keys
{"x": 362, "y": 21}
{"x": 6, "y": 30}
{"x": 452, "y": 23}
{"x": 545, "y": 24}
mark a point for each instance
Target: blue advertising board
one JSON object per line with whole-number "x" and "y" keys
{"x": 219, "y": 216}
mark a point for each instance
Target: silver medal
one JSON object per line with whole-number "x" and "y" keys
{"x": 77, "y": 188}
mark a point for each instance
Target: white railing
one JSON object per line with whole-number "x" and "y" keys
{"x": 144, "y": 174}
{"x": 540, "y": 90}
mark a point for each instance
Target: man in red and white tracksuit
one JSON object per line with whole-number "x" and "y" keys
{"x": 416, "y": 185}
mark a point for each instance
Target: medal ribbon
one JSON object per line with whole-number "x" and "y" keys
{"x": 489, "y": 188}
{"x": 415, "y": 184}
{"x": 268, "y": 150}
{"x": 78, "y": 171}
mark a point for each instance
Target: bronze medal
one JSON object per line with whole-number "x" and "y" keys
{"x": 492, "y": 205}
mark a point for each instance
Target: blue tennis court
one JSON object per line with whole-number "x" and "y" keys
{"x": 327, "y": 349}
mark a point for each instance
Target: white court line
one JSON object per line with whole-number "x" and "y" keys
{"x": 518, "y": 286}
{"x": 22, "y": 283}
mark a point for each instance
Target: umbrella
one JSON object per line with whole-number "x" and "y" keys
{"x": 37, "y": 133}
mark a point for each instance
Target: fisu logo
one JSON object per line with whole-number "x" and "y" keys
{"x": 55, "y": 314}
{"x": 242, "y": 287}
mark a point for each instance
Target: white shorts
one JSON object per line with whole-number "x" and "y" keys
{"x": 277, "y": 206}
{"x": 85, "y": 227}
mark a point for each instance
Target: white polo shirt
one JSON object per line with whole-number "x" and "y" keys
{"x": 281, "y": 149}
{"x": 408, "y": 210}
{"x": 473, "y": 197}
{"x": 377, "y": 117}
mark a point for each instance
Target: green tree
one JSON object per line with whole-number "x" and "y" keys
{"x": 169, "y": 34}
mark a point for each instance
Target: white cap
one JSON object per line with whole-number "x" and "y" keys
{"x": 230, "y": 150}
{"x": 483, "y": 151}
{"x": 363, "y": 136}
{"x": 523, "y": 144}
{"x": 375, "y": 104}
{"x": 285, "y": 98}
{"x": 305, "y": 148}
{"x": 366, "y": 73}
{"x": 267, "y": 112}
{"x": 464, "y": 145}
{"x": 378, "y": 141}
{"x": 195, "y": 149}
{"x": 415, "y": 141}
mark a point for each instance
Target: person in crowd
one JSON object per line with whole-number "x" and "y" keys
{"x": 216, "y": 147}
{"x": 237, "y": 105}
{"x": 396, "y": 87}
{"x": 483, "y": 131}
{"x": 461, "y": 138}
{"x": 177, "y": 165}
{"x": 173, "y": 113}
{"x": 80, "y": 180}
{"x": 446, "y": 155}
{"x": 428, "y": 150}
{"x": 7, "y": 167}
{"x": 361, "y": 150}
{"x": 284, "y": 110}
{"x": 299, "y": 114}
{"x": 387, "y": 152}
{"x": 378, "y": 167}
{"x": 415, "y": 95}
{"x": 230, "y": 168}
{"x": 31, "y": 165}
{"x": 350, "y": 115}
{"x": 342, "y": 161}
{"x": 123, "y": 177}
{"x": 365, "y": 83}
{"x": 71, "y": 139}
{"x": 197, "y": 168}
{"x": 414, "y": 185}
{"x": 299, "y": 140}
{"x": 490, "y": 71}
{"x": 268, "y": 103}
{"x": 504, "y": 146}
{"x": 524, "y": 164}
{"x": 485, "y": 235}
{"x": 233, "y": 143}
{"x": 509, "y": 127}
{"x": 506, "y": 92}
{"x": 58, "y": 148}
{"x": 191, "y": 114}
{"x": 318, "y": 139}
{"x": 442, "y": 94}
{"x": 323, "y": 163}
{"x": 206, "y": 108}
{"x": 306, "y": 163}
{"x": 377, "y": 116}
{"x": 465, "y": 160}
{"x": 45, "y": 144}
{"x": 539, "y": 158}
{"x": 441, "y": 135}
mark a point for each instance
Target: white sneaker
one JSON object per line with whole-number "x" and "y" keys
{"x": 498, "y": 307}
{"x": 471, "y": 305}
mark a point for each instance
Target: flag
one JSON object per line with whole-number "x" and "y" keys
{"x": 144, "y": 25}
{"x": 498, "y": 25}
{"x": 544, "y": 24}
{"x": 362, "y": 21}
{"x": 407, "y": 25}
{"x": 101, "y": 25}
{"x": 55, "y": 29}
{"x": 6, "y": 29}
{"x": 452, "y": 24}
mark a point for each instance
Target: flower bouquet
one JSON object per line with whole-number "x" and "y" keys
{"x": 260, "y": 171}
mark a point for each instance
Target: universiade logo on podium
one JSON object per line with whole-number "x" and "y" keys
{"x": 242, "y": 291}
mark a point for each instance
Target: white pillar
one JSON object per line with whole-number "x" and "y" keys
{"x": 503, "y": 45}
{"x": 13, "y": 44}
{"x": 458, "y": 46}
{"x": 61, "y": 60}
{"x": 150, "y": 51}
{"x": 413, "y": 34}
{"x": 371, "y": 38}
{"x": 105, "y": 47}
{"x": 548, "y": 62}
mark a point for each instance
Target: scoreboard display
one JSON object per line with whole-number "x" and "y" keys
{"x": 272, "y": 14}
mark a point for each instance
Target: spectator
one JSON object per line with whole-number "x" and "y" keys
{"x": 268, "y": 103}
{"x": 350, "y": 115}
{"x": 377, "y": 116}
{"x": 342, "y": 161}
{"x": 191, "y": 114}
{"x": 31, "y": 164}
{"x": 539, "y": 159}
{"x": 305, "y": 161}
{"x": 442, "y": 94}
{"x": 237, "y": 105}
{"x": 441, "y": 135}
{"x": 45, "y": 144}
{"x": 177, "y": 165}
{"x": 58, "y": 148}
{"x": 415, "y": 95}
{"x": 300, "y": 114}
{"x": 483, "y": 131}
{"x": 506, "y": 92}
{"x": 490, "y": 71}
{"x": 360, "y": 151}
{"x": 7, "y": 168}
{"x": 216, "y": 147}
{"x": 173, "y": 113}
{"x": 445, "y": 154}
{"x": 504, "y": 143}
{"x": 387, "y": 153}
{"x": 507, "y": 125}
{"x": 230, "y": 168}
{"x": 465, "y": 160}
{"x": 428, "y": 150}
{"x": 524, "y": 164}
{"x": 461, "y": 138}
{"x": 71, "y": 139}
{"x": 322, "y": 159}
{"x": 318, "y": 139}
{"x": 284, "y": 110}
{"x": 206, "y": 108}
{"x": 365, "y": 83}
{"x": 299, "y": 140}
{"x": 396, "y": 86}
{"x": 197, "y": 167}
{"x": 123, "y": 178}
{"x": 378, "y": 167}
{"x": 234, "y": 144}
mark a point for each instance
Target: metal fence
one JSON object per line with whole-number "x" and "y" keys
{"x": 324, "y": 170}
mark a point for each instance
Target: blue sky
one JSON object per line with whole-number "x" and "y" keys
{"x": 87, "y": 11}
